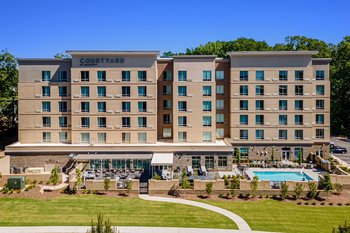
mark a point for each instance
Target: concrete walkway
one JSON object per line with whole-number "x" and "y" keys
{"x": 83, "y": 229}
{"x": 240, "y": 222}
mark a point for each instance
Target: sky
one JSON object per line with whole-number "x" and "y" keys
{"x": 43, "y": 28}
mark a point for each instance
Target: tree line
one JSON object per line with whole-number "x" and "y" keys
{"x": 339, "y": 73}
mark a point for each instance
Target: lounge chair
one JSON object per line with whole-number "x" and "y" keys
{"x": 189, "y": 170}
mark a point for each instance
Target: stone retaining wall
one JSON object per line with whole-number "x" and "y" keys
{"x": 38, "y": 177}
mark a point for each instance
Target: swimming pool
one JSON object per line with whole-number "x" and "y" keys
{"x": 281, "y": 176}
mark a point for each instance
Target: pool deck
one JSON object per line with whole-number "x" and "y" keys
{"x": 312, "y": 173}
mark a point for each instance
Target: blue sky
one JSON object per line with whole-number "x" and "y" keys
{"x": 42, "y": 28}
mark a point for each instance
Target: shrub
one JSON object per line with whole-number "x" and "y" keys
{"x": 101, "y": 226}
{"x": 209, "y": 188}
{"x": 156, "y": 177}
{"x": 226, "y": 181}
{"x": 233, "y": 193}
{"x": 185, "y": 183}
{"x": 254, "y": 185}
{"x": 298, "y": 190}
{"x": 326, "y": 183}
{"x": 284, "y": 190}
{"x": 342, "y": 228}
{"x": 221, "y": 195}
{"x": 128, "y": 185}
{"x": 174, "y": 191}
{"x": 312, "y": 191}
{"x": 107, "y": 184}
{"x": 54, "y": 176}
{"x": 338, "y": 187}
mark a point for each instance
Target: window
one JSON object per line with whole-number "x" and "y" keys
{"x": 206, "y": 91}
{"x": 298, "y": 134}
{"x": 84, "y": 76}
{"x": 45, "y": 75}
{"x": 62, "y": 91}
{"x": 259, "y": 74}
{"x": 298, "y": 152}
{"x": 299, "y": 90}
{"x": 126, "y": 106}
{"x": 282, "y": 134}
{"x": 259, "y": 134}
{"x": 319, "y": 89}
{"x": 126, "y": 137}
{"x": 319, "y": 74}
{"x": 101, "y": 91}
{"x": 206, "y": 120}
{"x": 182, "y": 90}
{"x": 166, "y": 119}
{"x": 222, "y": 161}
{"x": 320, "y": 133}
{"x": 85, "y": 91}
{"x": 46, "y": 137}
{"x": 101, "y": 138}
{"x": 220, "y": 104}
{"x": 142, "y": 76}
{"x": 167, "y": 90}
{"x": 299, "y": 75}
{"x": 85, "y": 137}
{"x": 126, "y": 76}
{"x": 182, "y": 121}
{"x": 63, "y": 137}
{"x": 298, "y": 119}
{"x": 259, "y": 90}
{"x": 62, "y": 121}
{"x": 243, "y": 134}
{"x": 283, "y": 105}
{"x": 259, "y": 104}
{"x": 207, "y": 106}
{"x": 243, "y": 104}
{"x": 244, "y": 151}
{"x": 142, "y": 91}
{"x": 196, "y": 160}
{"x": 46, "y": 121}
{"x": 182, "y": 75}
{"x": 220, "y": 89}
{"x": 125, "y": 91}
{"x": 209, "y": 162}
{"x": 283, "y": 90}
{"x": 219, "y": 74}
{"x": 207, "y": 136}
{"x": 299, "y": 105}
{"x": 46, "y": 106}
{"x": 283, "y": 75}
{"x": 182, "y": 106}
{"x": 46, "y": 91}
{"x": 243, "y": 119}
{"x": 243, "y": 90}
{"x": 62, "y": 76}
{"x": 182, "y": 136}
{"x": 85, "y": 122}
{"x": 101, "y": 122}
{"x": 142, "y": 122}
{"x": 166, "y": 133}
{"x": 167, "y": 75}
{"x": 62, "y": 106}
{"x": 142, "y": 106}
{"x": 101, "y": 76}
{"x": 101, "y": 106}
{"x": 220, "y": 118}
{"x": 319, "y": 104}
{"x": 283, "y": 119}
{"x": 220, "y": 133}
{"x": 126, "y": 122}
{"x": 166, "y": 104}
{"x": 319, "y": 119}
{"x": 259, "y": 119}
{"x": 206, "y": 75}
{"x": 243, "y": 75}
{"x": 85, "y": 106}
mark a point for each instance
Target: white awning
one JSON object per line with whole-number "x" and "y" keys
{"x": 162, "y": 159}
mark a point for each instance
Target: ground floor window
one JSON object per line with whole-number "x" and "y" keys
{"x": 298, "y": 152}
{"x": 138, "y": 163}
{"x": 46, "y": 136}
{"x": 209, "y": 162}
{"x": 244, "y": 151}
{"x": 101, "y": 137}
{"x": 121, "y": 163}
{"x": 63, "y": 136}
{"x": 196, "y": 160}
{"x": 99, "y": 163}
{"x": 319, "y": 153}
{"x": 222, "y": 161}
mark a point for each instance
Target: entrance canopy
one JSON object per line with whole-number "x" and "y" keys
{"x": 162, "y": 159}
{"x": 112, "y": 156}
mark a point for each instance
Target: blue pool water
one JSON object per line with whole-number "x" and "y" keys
{"x": 282, "y": 176}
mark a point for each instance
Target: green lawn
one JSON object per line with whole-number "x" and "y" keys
{"x": 79, "y": 210}
{"x": 268, "y": 215}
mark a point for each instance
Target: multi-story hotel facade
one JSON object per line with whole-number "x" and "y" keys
{"x": 134, "y": 109}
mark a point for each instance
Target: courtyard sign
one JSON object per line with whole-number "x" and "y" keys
{"x": 92, "y": 61}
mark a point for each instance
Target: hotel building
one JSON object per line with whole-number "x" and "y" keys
{"x": 133, "y": 109}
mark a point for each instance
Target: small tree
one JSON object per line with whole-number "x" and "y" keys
{"x": 107, "y": 184}
{"x": 273, "y": 154}
{"x": 54, "y": 176}
{"x": 235, "y": 182}
{"x": 238, "y": 156}
{"x": 128, "y": 185}
{"x": 338, "y": 187}
{"x": 254, "y": 185}
{"x": 298, "y": 189}
{"x": 185, "y": 183}
{"x": 300, "y": 156}
{"x": 326, "y": 184}
{"x": 101, "y": 226}
{"x": 79, "y": 177}
{"x": 312, "y": 190}
{"x": 226, "y": 181}
{"x": 284, "y": 190}
{"x": 209, "y": 188}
